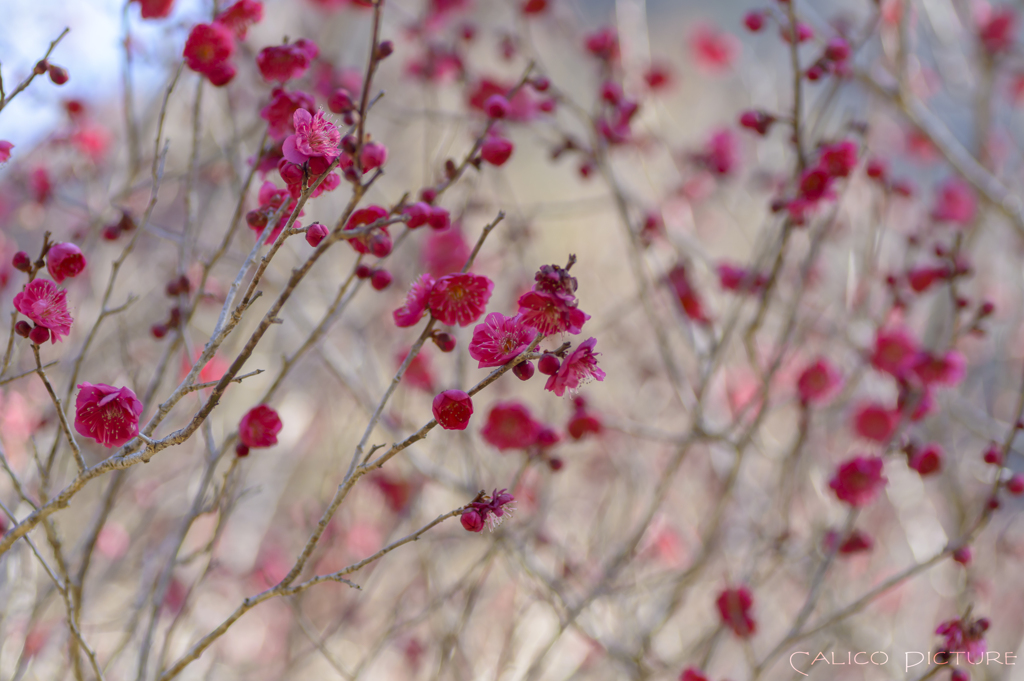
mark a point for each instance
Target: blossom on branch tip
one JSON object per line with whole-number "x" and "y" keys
{"x": 734, "y": 607}
{"x": 282, "y": 63}
{"x": 47, "y": 306}
{"x": 107, "y": 414}
{"x": 64, "y": 260}
{"x": 490, "y": 510}
{"x": 259, "y": 427}
{"x": 578, "y": 368}
{"x": 510, "y": 426}
{"x": 858, "y": 480}
{"x": 240, "y": 16}
{"x": 207, "y": 51}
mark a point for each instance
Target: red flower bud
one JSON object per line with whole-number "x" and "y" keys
{"x": 380, "y": 280}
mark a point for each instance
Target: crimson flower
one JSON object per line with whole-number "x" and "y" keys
{"x": 47, "y": 306}
{"x": 64, "y": 260}
{"x": 510, "y": 426}
{"x": 415, "y": 305}
{"x": 452, "y": 409}
{"x": 858, "y": 480}
{"x": 499, "y": 339}
{"x": 734, "y": 606}
{"x": 459, "y": 298}
{"x": 819, "y": 382}
{"x": 107, "y": 414}
{"x": 578, "y": 368}
{"x": 259, "y": 427}
{"x": 315, "y": 137}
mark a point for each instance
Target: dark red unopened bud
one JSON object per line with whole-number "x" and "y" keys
{"x": 58, "y": 75}
{"x": 40, "y": 67}
{"x": 158, "y": 331}
{"x": 524, "y": 371}
{"x": 39, "y": 335}
{"x": 993, "y": 456}
{"x": 22, "y": 262}
{"x": 439, "y": 218}
{"x": 256, "y": 219}
{"x": 992, "y": 503}
{"x": 1015, "y": 485}
{"x": 548, "y": 364}
{"x": 126, "y": 223}
{"x": 349, "y": 144}
{"x": 363, "y": 272}
{"x": 428, "y": 195}
{"x": 754, "y": 21}
{"x": 986, "y": 308}
{"x": 111, "y": 232}
{"x": 23, "y": 328}
{"x": 555, "y": 464}
{"x": 340, "y": 101}
{"x": 444, "y": 341}
{"x": 380, "y": 244}
{"x": 349, "y": 118}
{"x": 241, "y": 450}
{"x": 175, "y": 318}
{"x": 540, "y": 84}
{"x": 472, "y": 520}
{"x": 380, "y": 279}
{"x": 385, "y": 49}
{"x": 962, "y": 555}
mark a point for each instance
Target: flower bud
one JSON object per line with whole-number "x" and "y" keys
{"x": 496, "y": 106}
{"x": 364, "y": 272}
{"x": 158, "y": 331}
{"x": 39, "y": 335}
{"x": 340, "y": 101}
{"x": 380, "y": 279}
{"x": 316, "y": 233}
{"x": 444, "y": 341}
{"x": 472, "y": 521}
{"x": 22, "y": 262}
{"x": 241, "y": 450}
{"x": 548, "y": 364}
{"x": 1016, "y": 485}
{"x": 380, "y": 244}
{"x": 524, "y": 371}
{"x": 23, "y": 328}
{"x": 385, "y": 49}
{"x": 58, "y": 75}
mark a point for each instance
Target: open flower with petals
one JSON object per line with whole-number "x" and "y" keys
{"x": 499, "y": 339}
{"x": 578, "y": 368}
{"x": 259, "y": 427}
{"x": 315, "y": 137}
{"x": 550, "y": 314}
{"x": 965, "y": 636}
{"x": 107, "y": 414}
{"x": 734, "y": 607}
{"x": 415, "y": 302}
{"x": 858, "y": 480}
{"x": 47, "y": 306}
{"x": 510, "y": 426}
{"x": 460, "y": 298}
